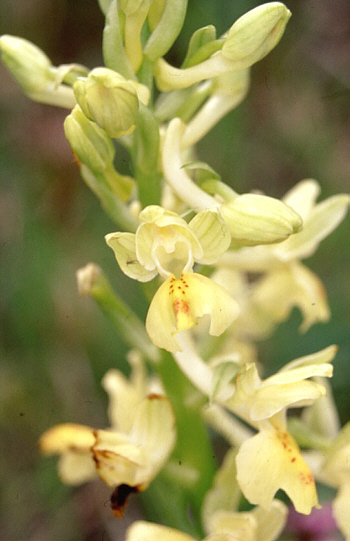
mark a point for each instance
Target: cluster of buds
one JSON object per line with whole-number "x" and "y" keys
{"x": 182, "y": 227}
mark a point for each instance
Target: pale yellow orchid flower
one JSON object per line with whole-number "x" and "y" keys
{"x": 166, "y": 244}
{"x": 256, "y": 525}
{"x": 286, "y": 282}
{"x": 271, "y": 460}
{"x": 130, "y": 454}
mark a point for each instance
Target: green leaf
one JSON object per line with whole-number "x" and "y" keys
{"x": 203, "y": 44}
{"x": 203, "y": 171}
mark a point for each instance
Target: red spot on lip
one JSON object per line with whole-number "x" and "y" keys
{"x": 293, "y": 459}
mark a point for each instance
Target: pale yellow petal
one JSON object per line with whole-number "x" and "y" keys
{"x": 161, "y": 320}
{"x": 337, "y": 463}
{"x": 323, "y": 356}
{"x": 125, "y": 395}
{"x": 323, "y": 219}
{"x": 213, "y": 235}
{"x": 117, "y": 460}
{"x": 233, "y": 526}
{"x": 286, "y": 287}
{"x": 75, "y": 467}
{"x": 146, "y": 531}
{"x": 270, "y": 521}
{"x": 256, "y": 400}
{"x": 341, "y": 506}
{"x": 272, "y": 399}
{"x": 67, "y": 437}
{"x": 135, "y": 459}
{"x": 124, "y": 248}
{"x": 154, "y": 431}
{"x": 270, "y": 461}
{"x": 302, "y": 197}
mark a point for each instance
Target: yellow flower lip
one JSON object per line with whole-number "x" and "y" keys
{"x": 179, "y": 303}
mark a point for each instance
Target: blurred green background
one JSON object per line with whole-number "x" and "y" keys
{"x": 56, "y": 346}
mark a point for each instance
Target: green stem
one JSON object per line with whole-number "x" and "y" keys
{"x": 93, "y": 282}
{"x": 193, "y": 450}
{"x": 146, "y": 156}
{"x": 115, "y": 209}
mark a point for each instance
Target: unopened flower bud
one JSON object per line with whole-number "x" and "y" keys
{"x": 257, "y": 32}
{"x": 29, "y": 65}
{"x": 89, "y": 142}
{"x": 258, "y": 219}
{"x": 108, "y": 99}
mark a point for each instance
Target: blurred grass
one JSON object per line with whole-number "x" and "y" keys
{"x": 55, "y": 346}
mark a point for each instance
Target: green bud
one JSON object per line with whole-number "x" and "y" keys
{"x": 258, "y": 219}
{"x": 29, "y": 65}
{"x": 108, "y": 99}
{"x": 254, "y": 34}
{"x": 89, "y": 142}
{"x": 257, "y": 32}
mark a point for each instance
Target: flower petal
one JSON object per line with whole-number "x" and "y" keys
{"x": 125, "y": 395}
{"x": 67, "y": 437}
{"x": 323, "y": 219}
{"x": 270, "y": 461}
{"x": 302, "y": 197}
{"x": 178, "y": 304}
{"x": 146, "y": 531}
{"x": 134, "y": 459}
{"x": 73, "y": 442}
{"x": 294, "y": 285}
{"x": 341, "y": 509}
{"x": 76, "y": 467}
{"x": 124, "y": 248}
{"x": 270, "y": 521}
{"x": 213, "y": 235}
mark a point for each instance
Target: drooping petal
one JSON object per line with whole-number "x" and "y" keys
{"x": 125, "y": 394}
{"x": 146, "y": 531}
{"x": 270, "y": 461}
{"x": 178, "y": 304}
{"x": 124, "y": 248}
{"x": 323, "y": 219}
{"x": 75, "y": 468}
{"x": 67, "y": 436}
{"x": 302, "y": 197}
{"x": 294, "y": 285}
{"x": 73, "y": 442}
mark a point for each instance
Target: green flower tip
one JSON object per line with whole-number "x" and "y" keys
{"x": 109, "y": 100}
{"x": 256, "y": 33}
{"x": 28, "y": 64}
{"x": 89, "y": 142}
